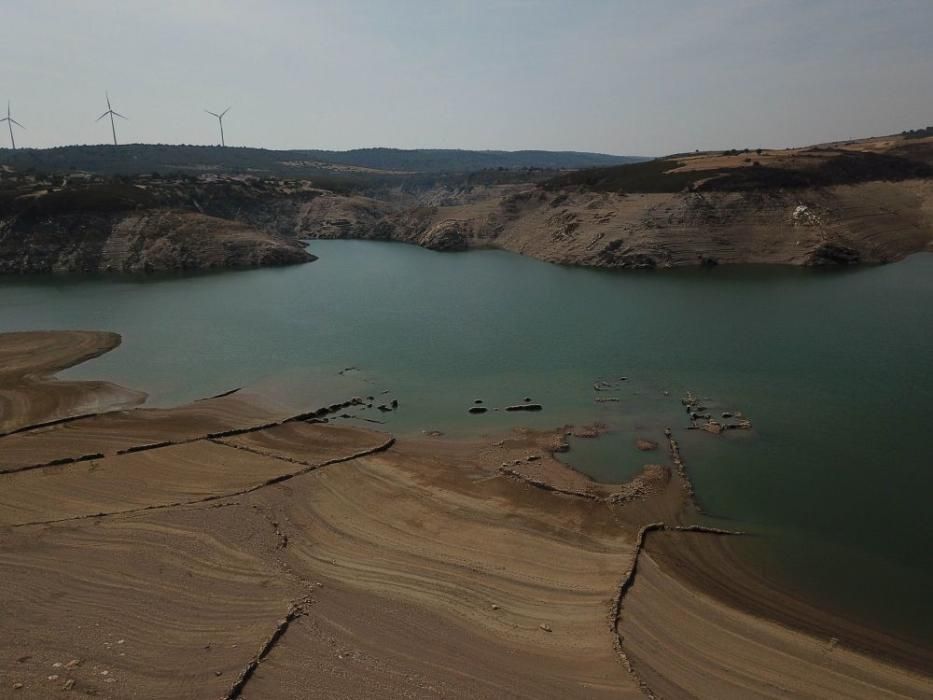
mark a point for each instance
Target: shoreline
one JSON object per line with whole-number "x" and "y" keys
{"x": 699, "y": 564}
{"x": 225, "y": 452}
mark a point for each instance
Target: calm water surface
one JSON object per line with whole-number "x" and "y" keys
{"x": 835, "y": 368}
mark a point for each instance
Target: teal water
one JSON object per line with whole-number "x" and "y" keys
{"x": 835, "y": 368}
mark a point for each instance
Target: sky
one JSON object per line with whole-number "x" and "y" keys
{"x": 612, "y": 76}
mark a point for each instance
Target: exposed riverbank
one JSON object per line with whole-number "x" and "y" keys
{"x": 202, "y": 526}
{"x": 439, "y": 331}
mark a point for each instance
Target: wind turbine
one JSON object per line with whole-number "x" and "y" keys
{"x": 220, "y": 118}
{"x": 10, "y": 122}
{"x": 112, "y": 114}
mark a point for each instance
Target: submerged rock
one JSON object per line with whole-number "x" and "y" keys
{"x": 525, "y": 407}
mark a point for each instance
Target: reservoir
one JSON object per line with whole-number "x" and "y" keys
{"x": 833, "y": 367}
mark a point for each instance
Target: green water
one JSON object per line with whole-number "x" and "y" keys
{"x": 834, "y": 367}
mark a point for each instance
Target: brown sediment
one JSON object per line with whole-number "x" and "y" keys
{"x": 295, "y": 611}
{"x": 723, "y": 652}
{"x": 121, "y": 427}
{"x": 30, "y": 398}
{"x": 628, "y": 579}
{"x": 714, "y": 567}
{"x": 432, "y": 573}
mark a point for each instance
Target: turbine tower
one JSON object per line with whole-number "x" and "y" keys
{"x": 112, "y": 115}
{"x": 220, "y": 118}
{"x": 10, "y": 122}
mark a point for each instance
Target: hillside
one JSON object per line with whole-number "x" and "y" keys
{"x": 136, "y": 159}
{"x": 120, "y": 227}
{"x": 867, "y": 201}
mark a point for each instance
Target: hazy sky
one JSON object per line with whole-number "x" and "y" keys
{"x": 614, "y": 76}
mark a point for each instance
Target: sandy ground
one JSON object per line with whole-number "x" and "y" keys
{"x": 685, "y": 644}
{"x": 304, "y": 559}
{"x": 26, "y": 361}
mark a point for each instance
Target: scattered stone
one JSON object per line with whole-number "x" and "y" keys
{"x": 53, "y": 677}
{"x": 713, "y": 427}
{"x": 57, "y": 664}
{"x": 218, "y": 673}
{"x": 17, "y": 686}
{"x": 525, "y": 407}
{"x": 74, "y": 663}
{"x": 606, "y": 399}
{"x": 477, "y": 409}
{"x": 495, "y": 607}
{"x": 477, "y": 401}
{"x": 394, "y": 403}
{"x": 533, "y": 458}
{"x": 646, "y": 445}
{"x": 527, "y": 399}
{"x": 623, "y": 379}
{"x": 69, "y": 684}
{"x": 545, "y": 627}
{"x": 121, "y": 641}
{"x": 586, "y": 431}
{"x": 726, "y": 414}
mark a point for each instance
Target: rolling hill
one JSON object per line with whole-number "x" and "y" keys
{"x": 135, "y": 159}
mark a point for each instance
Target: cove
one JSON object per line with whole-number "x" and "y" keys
{"x": 834, "y": 367}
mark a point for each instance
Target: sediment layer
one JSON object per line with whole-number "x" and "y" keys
{"x": 403, "y": 568}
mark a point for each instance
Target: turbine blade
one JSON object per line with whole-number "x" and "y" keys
{"x": 212, "y": 114}
{"x": 107, "y": 95}
{"x": 224, "y": 112}
{"x": 101, "y": 116}
{"x": 117, "y": 114}
{"x": 17, "y": 124}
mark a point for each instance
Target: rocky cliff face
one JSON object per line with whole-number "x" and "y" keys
{"x": 146, "y": 240}
{"x": 870, "y": 222}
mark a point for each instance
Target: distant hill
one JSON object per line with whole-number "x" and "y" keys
{"x": 887, "y": 159}
{"x": 133, "y": 159}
